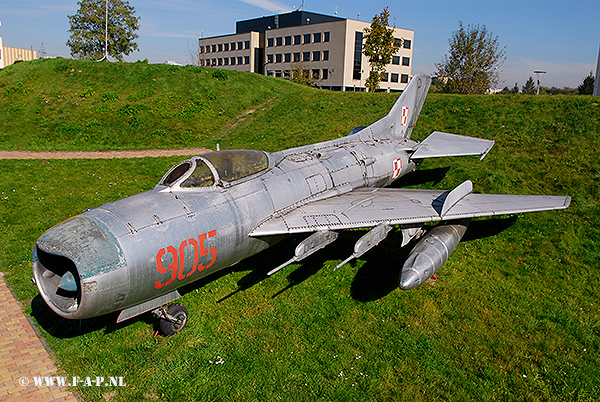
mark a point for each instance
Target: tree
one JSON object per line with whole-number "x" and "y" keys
{"x": 378, "y": 48}
{"x": 193, "y": 51}
{"x": 587, "y": 86}
{"x": 301, "y": 74}
{"x": 529, "y": 87}
{"x": 473, "y": 61}
{"x": 87, "y": 40}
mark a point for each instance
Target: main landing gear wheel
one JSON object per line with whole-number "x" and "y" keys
{"x": 174, "y": 320}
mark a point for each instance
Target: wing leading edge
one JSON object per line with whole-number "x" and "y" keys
{"x": 368, "y": 207}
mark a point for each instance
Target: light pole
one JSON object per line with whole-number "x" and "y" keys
{"x": 330, "y": 78}
{"x": 537, "y": 73}
{"x": 105, "y": 57}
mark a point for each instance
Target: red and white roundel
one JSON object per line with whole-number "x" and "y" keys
{"x": 404, "y": 119}
{"x": 397, "y": 168}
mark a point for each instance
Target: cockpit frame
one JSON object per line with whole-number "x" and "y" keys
{"x": 226, "y": 168}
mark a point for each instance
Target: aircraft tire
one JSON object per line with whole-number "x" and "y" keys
{"x": 178, "y": 311}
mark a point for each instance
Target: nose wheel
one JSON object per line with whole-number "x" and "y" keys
{"x": 172, "y": 318}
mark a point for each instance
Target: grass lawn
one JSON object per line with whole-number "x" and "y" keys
{"x": 513, "y": 315}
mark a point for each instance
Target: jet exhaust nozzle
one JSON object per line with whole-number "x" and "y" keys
{"x": 430, "y": 253}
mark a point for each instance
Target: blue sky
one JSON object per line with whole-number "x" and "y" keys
{"x": 560, "y": 37}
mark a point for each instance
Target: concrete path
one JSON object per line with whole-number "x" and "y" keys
{"x": 23, "y": 357}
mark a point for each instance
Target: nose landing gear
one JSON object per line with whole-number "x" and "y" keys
{"x": 172, "y": 318}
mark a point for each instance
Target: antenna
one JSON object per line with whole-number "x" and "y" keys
{"x": 42, "y": 51}
{"x": 537, "y": 73}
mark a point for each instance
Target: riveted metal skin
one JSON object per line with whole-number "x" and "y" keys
{"x": 213, "y": 210}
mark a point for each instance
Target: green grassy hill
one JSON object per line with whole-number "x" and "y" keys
{"x": 63, "y": 104}
{"x": 513, "y": 315}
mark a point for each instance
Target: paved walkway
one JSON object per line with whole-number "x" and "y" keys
{"x": 101, "y": 154}
{"x": 23, "y": 357}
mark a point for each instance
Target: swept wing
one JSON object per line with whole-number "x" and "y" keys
{"x": 368, "y": 207}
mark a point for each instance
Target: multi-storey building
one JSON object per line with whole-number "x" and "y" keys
{"x": 329, "y": 47}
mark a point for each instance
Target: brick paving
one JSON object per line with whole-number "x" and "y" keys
{"x": 23, "y": 357}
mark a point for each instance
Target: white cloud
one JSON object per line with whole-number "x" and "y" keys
{"x": 272, "y": 6}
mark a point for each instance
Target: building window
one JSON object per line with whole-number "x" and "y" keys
{"x": 233, "y": 61}
{"x": 207, "y": 48}
{"x": 214, "y": 49}
{"x": 316, "y": 74}
{"x": 317, "y": 56}
{"x": 270, "y": 42}
{"x": 220, "y": 62}
{"x": 326, "y": 37}
{"x": 394, "y": 77}
{"x": 396, "y": 60}
{"x": 358, "y": 42}
{"x": 288, "y": 57}
{"x": 278, "y": 74}
{"x": 279, "y": 41}
{"x": 226, "y": 47}
{"x": 201, "y": 48}
{"x": 247, "y": 44}
{"x": 306, "y": 56}
{"x": 385, "y": 78}
{"x": 239, "y": 60}
{"x": 246, "y": 59}
{"x": 404, "y": 78}
{"x": 232, "y": 46}
{"x": 288, "y": 40}
{"x": 307, "y": 38}
{"x": 213, "y": 62}
{"x": 407, "y": 44}
{"x": 226, "y": 61}
{"x": 278, "y": 58}
{"x": 398, "y": 42}
{"x": 406, "y": 61}
{"x": 220, "y": 47}
{"x": 296, "y": 57}
{"x": 270, "y": 58}
{"x": 317, "y": 37}
{"x": 240, "y": 45}
{"x": 325, "y": 73}
{"x": 325, "y": 55}
{"x": 297, "y": 39}
{"x": 286, "y": 74}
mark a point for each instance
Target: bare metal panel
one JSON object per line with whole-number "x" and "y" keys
{"x": 369, "y": 207}
{"x": 443, "y": 144}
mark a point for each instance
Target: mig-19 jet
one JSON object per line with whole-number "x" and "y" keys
{"x": 213, "y": 210}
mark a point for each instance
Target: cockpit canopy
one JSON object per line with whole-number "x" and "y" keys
{"x": 216, "y": 167}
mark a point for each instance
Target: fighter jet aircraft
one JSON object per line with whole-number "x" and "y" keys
{"x": 213, "y": 210}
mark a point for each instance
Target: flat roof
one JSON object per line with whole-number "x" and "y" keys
{"x": 292, "y": 19}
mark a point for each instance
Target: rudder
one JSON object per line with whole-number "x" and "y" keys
{"x": 403, "y": 116}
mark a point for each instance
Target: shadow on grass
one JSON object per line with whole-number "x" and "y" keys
{"x": 419, "y": 177}
{"x": 60, "y": 327}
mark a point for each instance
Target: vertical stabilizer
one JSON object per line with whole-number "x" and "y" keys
{"x": 401, "y": 120}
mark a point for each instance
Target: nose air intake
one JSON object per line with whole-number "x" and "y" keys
{"x": 68, "y": 254}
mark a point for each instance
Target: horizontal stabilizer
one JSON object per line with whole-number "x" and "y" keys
{"x": 439, "y": 144}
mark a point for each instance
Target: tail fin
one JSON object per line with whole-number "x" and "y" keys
{"x": 401, "y": 120}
